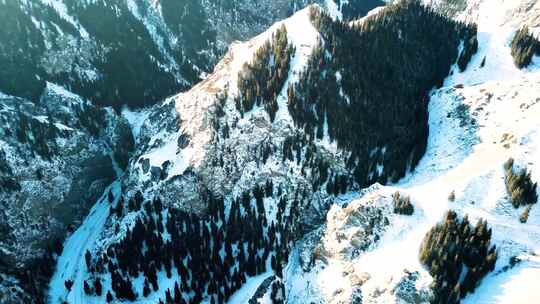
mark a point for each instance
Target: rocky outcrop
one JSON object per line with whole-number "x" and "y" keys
{"x": 329, "y": 258}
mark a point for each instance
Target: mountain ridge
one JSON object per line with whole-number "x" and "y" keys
{"x": 250, "y": 177}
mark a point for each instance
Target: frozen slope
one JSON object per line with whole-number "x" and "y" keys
{"x": 71, "y": 264}
{"x": 478, "y": 120}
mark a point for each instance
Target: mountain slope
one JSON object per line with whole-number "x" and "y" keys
{"x": 478, "y": 120}
{"x": 222, "y": 182}
{"x": 124, "y": 52}
{"x": 56, "y": 158}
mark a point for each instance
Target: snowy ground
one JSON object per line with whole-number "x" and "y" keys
{"x": 71, "y": 264}
{"x": 244, "y": 294}
{"x": 474, "y": 129}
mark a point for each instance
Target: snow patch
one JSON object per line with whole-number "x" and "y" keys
{"x": 333, "y": 10}
{"x": 135, "y": 119}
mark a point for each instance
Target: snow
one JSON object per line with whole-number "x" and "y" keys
{"x": 461, "y": 156}
{"x": 333, "y": 10}
{"x": 3, "y": 95}
{"x": 517, "y": 285}
{"x": 303, "y": 35}
{"x": 181, "y": 161}
{"x": 372, "y": 12}
{"x": 244, "y": 294}
{"x": 41, "y": 118}
{"x": 71, "y": 264}
{"x": 62, "y": 11}
{"x": 57, "y": 89}
{"x": 193, "y": 107}
{"x": 135, "y": 119}
{"x": 63, "y": 127}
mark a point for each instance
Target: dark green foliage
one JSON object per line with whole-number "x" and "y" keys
{"x": 187, "y": 19}
{"x": 109, "y": 297}
{"x": 261, "y": 81}
{"x": 352, "y": 9}
{"x": 129, "y": 72}
{"x": 39, "y": 135}
{"x": 524, "y": 47}
{"x": 98, "y": 288}
{"x": 452, "y": 196}
{"x": 192, "y": 250}
{"x": 369, "y": 84}
{"x": 402, "y": 204}
{"x": 520, "y": 187}
{"x": 68, "y": 284}
{"x": 35, "y": 278}
{"x": 277, "y": 292}
{"x": 470, "y": 47}
{"x": 87, "y": 258}
{"x": 93, "y": 119}
{"x": 20, "y": 51}
{"x": 452, "y": 247}
{"x": 86, "y": 288}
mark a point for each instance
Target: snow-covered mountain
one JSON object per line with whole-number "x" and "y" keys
{"x": 316, "y": 163}
{"x": 126, "y": 52}
{"x": 478, "y": 120}
{"x": 228, "y": 175}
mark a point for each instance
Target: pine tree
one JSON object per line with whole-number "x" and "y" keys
{"x": 86, "y": 288}
{"x": 109, "y": 297}
{"x": 87, "y": 258}
{"x": 97, "y": 287}
{"x": 68, "y": 284}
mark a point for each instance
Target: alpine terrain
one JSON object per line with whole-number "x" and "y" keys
{"x": 269, "y": 151}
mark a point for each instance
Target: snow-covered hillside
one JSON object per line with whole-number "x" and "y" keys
{"x": 199, "y": 157}
{"x": 229, "y": 200}
{"x": 128, "y": 52}
{"x": 478, "y": 120}
{"x": 56, "y": 158}
{"x": 56, "y": 146}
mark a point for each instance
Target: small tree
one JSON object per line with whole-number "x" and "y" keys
{"x": 68, "y": 284}
{"x": 88, "y": 258}
{"x": 452, "y": 196}
{"x": 97, "y": 287}
{"x": 402, "y": 204}
{"x": 109, "y": 297}
{"x": 525, "y": 215}
{"x": 520, "y": 187}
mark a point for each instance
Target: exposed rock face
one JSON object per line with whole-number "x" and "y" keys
{"x": 56, "y": 158}
{"x": 355, "y": 228}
